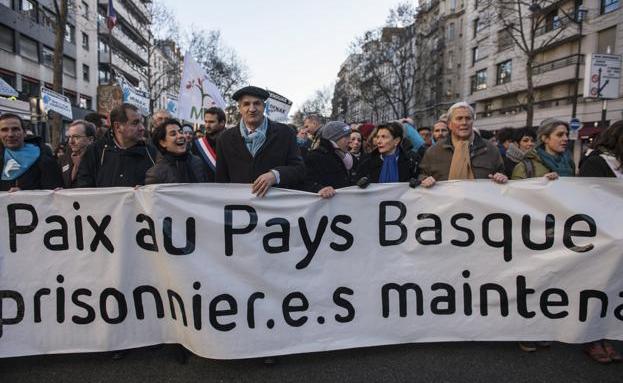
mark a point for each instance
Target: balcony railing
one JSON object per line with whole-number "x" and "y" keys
{"x": 557, "y": 64}
{"x": 552, "y": 25}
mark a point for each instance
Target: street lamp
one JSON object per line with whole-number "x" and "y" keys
{"x": 580, "y": 15}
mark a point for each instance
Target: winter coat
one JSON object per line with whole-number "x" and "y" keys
{"x": 325, "y": 168}
{"x": 484, "y": 156}
{"x": 408, "y": 166}
{"x": 539, "y": 169}
{"x": 43, "y": 174}
{"x": 235, "y": 164}
{"x": 595, "y": 166}
{"x": 106, "y": 165}
{"x": 171, "y": 169}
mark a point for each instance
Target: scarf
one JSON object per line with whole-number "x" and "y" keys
{"x": 346, "y": 157}
{"x": 255, "y": 140}
{"x": 18, "y": 161}
{"x": 389, "y": 171}
{"x": 559, "y": 163}
{"x": 461, "y": 166}
{"x": 514, "y": 154}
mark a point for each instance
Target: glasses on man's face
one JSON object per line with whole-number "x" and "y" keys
{"x": 75, "y": 137}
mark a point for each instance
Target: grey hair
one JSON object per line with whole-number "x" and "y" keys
{"x": 548, "y": 126}
{"x": 89, "y": 127}
{"x": 461, "y": 105}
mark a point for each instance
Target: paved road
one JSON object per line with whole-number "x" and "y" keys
{"x": 440, "y": 362}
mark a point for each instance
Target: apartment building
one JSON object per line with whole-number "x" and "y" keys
{"x": 26, "y": 52}
{"x": 497, "y": 69}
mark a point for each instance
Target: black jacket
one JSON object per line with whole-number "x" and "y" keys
{"x": 234, "y": 163}
{"x": 595, "y": 166}
{"x": 44, "y": 174}
{"x": 177, "y": 169}
{"x": 325, "y": 168}
{"x": 106, "y": 165}
{"x": 408, "y": 164}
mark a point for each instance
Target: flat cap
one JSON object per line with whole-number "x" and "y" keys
{"x": 250, "y": 91}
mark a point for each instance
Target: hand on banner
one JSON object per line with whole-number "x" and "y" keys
{"x": 428, "y": 182}
{"x": 263, "y": 183}
{"x": 551, "y": 176}
{"x": 14, "y": 189}
{"x": 498, "y": 178}
{"x": 326, "y": 192}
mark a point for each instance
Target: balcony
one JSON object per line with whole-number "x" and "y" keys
{"x": 557, "y": 64}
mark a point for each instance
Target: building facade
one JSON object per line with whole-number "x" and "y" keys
{"x": 27, "y": 40}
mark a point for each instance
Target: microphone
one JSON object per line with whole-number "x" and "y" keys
{"x": 363, "y": 182}
{"x": 414, "y": 182}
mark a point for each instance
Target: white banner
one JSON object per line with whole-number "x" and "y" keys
{"x": 56, "y": 102}
{"x": 197, "y": 92}
{"x": 134, "y": 96}
{"x": 229, "y": 275}
{"x": 6, "y": 89}
{"x": 278, "y": 107}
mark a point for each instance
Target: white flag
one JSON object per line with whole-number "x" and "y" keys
{"x": 197, "y": 91}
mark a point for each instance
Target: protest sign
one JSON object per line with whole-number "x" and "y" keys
{"x": 277, "y": 107}
{"x": 134, "y": 96}
{"x": 229, "y": 275}
{"x": 56, "y": 102}
{"x": 197, "y": 92}
{"x": 6, "y": 89}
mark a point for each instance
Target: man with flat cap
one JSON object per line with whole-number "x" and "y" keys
{"x": 259, "y": 151}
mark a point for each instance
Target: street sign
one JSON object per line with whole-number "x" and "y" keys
{"x": 56, "y": 102}
{"x": 574, "y": 124}
{"x": 604, "y": 72}
{"x": 6, "y": 89}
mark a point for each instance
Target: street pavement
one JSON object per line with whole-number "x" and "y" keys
{"x": 435, "y": 362}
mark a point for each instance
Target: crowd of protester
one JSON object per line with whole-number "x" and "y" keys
{"x": 319, "y": 157}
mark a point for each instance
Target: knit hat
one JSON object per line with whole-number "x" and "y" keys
{"x": 334, "y": 130}
{"x": 366, "y": 129}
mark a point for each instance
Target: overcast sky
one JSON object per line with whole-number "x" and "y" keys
{"x": 291, "y": 47}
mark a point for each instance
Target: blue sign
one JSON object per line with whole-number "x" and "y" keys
{"x": 574, "y": 124}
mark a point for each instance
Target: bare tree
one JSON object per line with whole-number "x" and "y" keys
{"x": 222, "y": 64}
{"x": 61, "y": 8}
{"x": 533, "y": 26}
{"x": 319, "y": 104}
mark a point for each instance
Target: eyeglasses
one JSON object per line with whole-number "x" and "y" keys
{"x": 75, "y": 137}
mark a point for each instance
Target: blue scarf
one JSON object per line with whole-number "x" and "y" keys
{"x": 17, "y": 162}
{"x": 560, "y": 163}
{"x": 389, "y": 171}
{"x": 255, "y": 140}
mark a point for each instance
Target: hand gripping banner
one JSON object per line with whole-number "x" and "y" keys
{"x": 229, "y": 275}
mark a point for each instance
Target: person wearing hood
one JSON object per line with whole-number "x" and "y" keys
{"x": 25, "y": 162}
{"x": 389, "y": 162}
{"x": 549, "y": 158}
{"x": 175, "y": 163}
{"x": 523, "y": 142}
{"x": 330, "y": 164}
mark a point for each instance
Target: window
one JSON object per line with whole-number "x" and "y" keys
{"x": 85, "y": 102}
{"x": 475, "y": 27}
{"x": 102, "y": 46}
{"x": 69, "y": 66}
{"x": 475, "y": 55}
{"x": 85, "y": 73}
{"x": 47, "y": 57}
{"x": 451, "y": 32}
{"x": 450, "y": 60}
{"x": 70, "y": 33}
{"x": 7, "y": 3}
{"x": 48, "y": 18}
{"x": 552, "y": 21}
{"x": 479, "y": 81}
{"x": 29, "y": 9}
{"x": 608, "y": 6}
{"x": 104, "y": 75}
{"x": 30, "y": 88}
{"x": 606, "y": 40}
{"x": 504, "y": 72}
{"x": 9, "y": 77}
{"x": 85, "y": 10}
{"x": 505, "y": 40}
{"x": 28, "y": 48}
{"x": 85, "y": 41}
{"x": 7, "y": 39}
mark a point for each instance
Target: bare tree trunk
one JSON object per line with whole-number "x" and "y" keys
{"x": 57, "y": 66}
{"x": 530, "y": 95}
